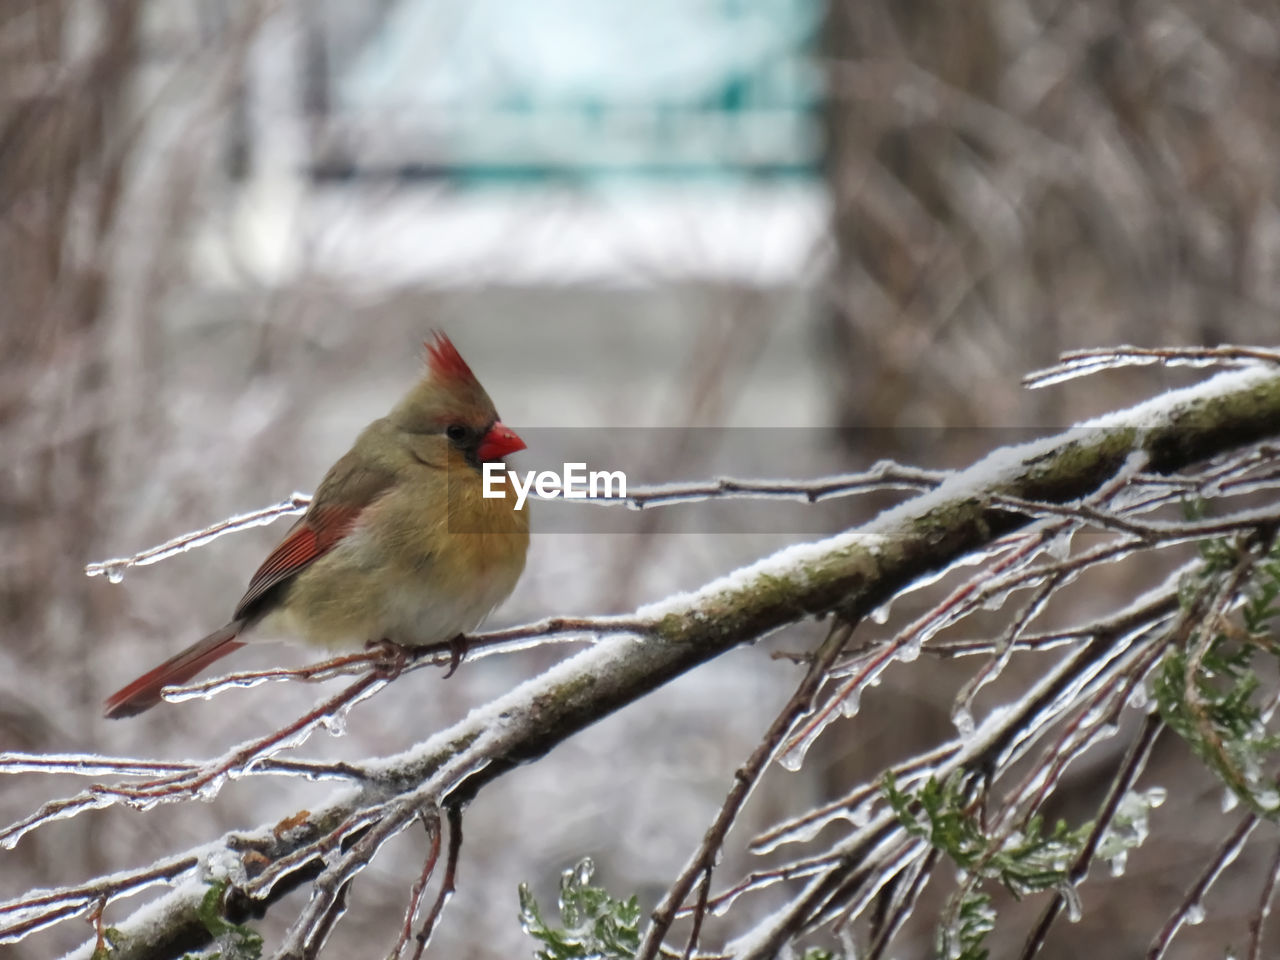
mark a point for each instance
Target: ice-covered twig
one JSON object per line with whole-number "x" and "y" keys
{"x": 1094, "y": 720}
{"x": 906, "y": 644}
{"x": 699, "y": 868}
{"x": 1191, "y": 909}
{"x": 448, "y": 884}
{"x": 912, "y": 884}
{"x": 197, "y": 780}
{"x": 478, "y": 646}
{"x": 92, "y": 765}
{"x": 1257, "y": 925}
{"x": 760, "y": 879}
{"x": 884, "y": 475}
{"x": 856, "y": 805}
{"x": 1000, "y": 741}
{"x": 114, "y": 569}
{"x": 1127, "y": 774}
{"x": 1080, "y": 363}
{"x": 419, "y": 888}
{"x": 41, "y": 908}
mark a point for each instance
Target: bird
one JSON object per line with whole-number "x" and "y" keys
{"x": 399, "y": 545}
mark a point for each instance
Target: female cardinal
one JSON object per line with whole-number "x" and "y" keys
{"x": 398, "y": 544}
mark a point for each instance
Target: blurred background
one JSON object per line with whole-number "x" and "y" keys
{"x": 227, "y": 225}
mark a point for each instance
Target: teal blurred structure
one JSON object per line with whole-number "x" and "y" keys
{"x": 581, "y": 90}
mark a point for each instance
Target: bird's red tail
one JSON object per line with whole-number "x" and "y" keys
{"x": 144, "y": 693}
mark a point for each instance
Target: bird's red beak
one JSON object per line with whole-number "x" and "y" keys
{"x": 499, "y": 442}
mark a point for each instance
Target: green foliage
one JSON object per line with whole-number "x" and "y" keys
{"x": 1026, "y": 862}
{"x": 974, "y": 918}
{"x": 1218, "y": 711}
{"x": 1031, "y": 860}
{"x": 946, "y": 815}
{"x": 237, "y": 942}
{"x": 595, "y": 925}
{"x": 112, "y": 940}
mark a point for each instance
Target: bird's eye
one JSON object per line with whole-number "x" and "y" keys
{"x": 456, "y": 432}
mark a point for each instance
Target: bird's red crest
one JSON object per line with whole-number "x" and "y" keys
{"x": 444, "y": 361}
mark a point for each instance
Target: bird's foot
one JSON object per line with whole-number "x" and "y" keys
{"x": 391, "y": 657}
{"x": 457, "y": 650}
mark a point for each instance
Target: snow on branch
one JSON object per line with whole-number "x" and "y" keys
{"x": 1005, "y": 515}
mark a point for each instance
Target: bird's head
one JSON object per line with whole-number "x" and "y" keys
{"x": 449, "y": 402}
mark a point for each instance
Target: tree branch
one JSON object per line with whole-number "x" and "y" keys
{"x": 851, "y": 574}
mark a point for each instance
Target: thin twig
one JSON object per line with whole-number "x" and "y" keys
{"x": 915, "y": 880}
{"x": 1101, "y": 634}
{"x": 420, "y": 885}
{"x": 91, "y": 765}
{"x": 477, "y": 646}
{"x": 858, "y": 804}
{"x": 910, "y": 638}
{"x": 1127, "y": 774}
{"x": 39, "y": 908}
{"x": 1257, "y": 925}
{"x": 202, "y": 780}
{"x": 760, "y": 879}
{"x": 1193, "y": 902}
{"x": 885, "y": 475}
{"x": 264, "y": 883}
{"x": 448, "y": 885}
{"x": 114, "y": 568}
{"x": 1080, "y": 363}
{"x": 1004, "y": 646}
{"x": 700, "y": 865}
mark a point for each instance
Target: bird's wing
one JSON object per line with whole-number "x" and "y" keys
{"x": 318, "y": 531}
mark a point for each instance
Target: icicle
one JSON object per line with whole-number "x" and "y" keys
{"x": 1071, "y": 900}
{"x": 335, "y": 723}
{"x": 860, "y": 816}
{"x": 909, "y": 650}
{"x": 793, "y": 757}
{"x": 850, "y": 704}
{"x": 1059, "y": 547}
{"x": 1139, "y": 698}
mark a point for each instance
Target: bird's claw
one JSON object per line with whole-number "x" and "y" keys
{"x": 391, "y": 657}
{"x": 457, "y": 650}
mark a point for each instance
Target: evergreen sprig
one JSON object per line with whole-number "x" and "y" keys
{"x": 237, "y": 942}
{"x": 1218, "y": 711}
{"x": 944, "y": 813}
{"x": 1034, "y": 859}
{"x": 595, "y": 924}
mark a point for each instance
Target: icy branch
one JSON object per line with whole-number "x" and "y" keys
{"x": 885, "y": 475}
{"x": 1082, "y": 363}
{"x": 983, "y": 510}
